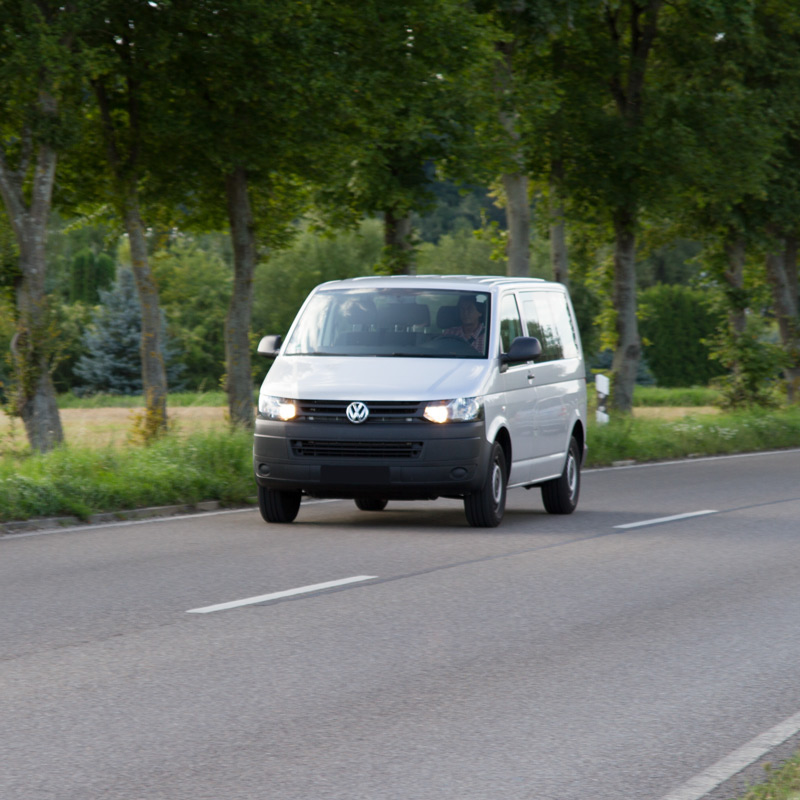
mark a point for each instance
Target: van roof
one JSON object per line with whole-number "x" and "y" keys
{"x": 486, "y": 282}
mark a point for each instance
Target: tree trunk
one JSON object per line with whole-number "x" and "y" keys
{"x": 34, "y": 343}
{"x": 515, "y": 183}
{"x": 518, "y": 219}
{"x": 626, "y": 356}
{"x": 398, "y": 249}
{"x": 154, "y": 375}
{"x": 239, "y": 380}
{"x": 734, "y": 276}
{"x": 558, "y": 232}
{"x": 781, "y": 274}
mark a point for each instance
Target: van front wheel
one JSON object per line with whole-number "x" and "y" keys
{"x": 278, "y": 506}
{"x": 485, "y": 508}
{"x": 560, "y": 496}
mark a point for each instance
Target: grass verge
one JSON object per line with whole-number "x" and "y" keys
{"x": 782, "y": 783}
{"x": 701, "y": 435}
{"x": 79, "y": 481}
{"x": 216, "y": 464}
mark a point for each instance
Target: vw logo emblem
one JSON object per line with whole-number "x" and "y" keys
{"x": 357, "y": 412}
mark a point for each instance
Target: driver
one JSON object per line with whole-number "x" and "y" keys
{"x": 472, "y": 329}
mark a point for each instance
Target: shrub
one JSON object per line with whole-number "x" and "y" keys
{"x": 676, "y": 322}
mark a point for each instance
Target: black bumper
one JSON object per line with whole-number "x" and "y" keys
{"x": 413, "y": 460}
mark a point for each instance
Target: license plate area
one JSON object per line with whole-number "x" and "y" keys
{"x": 354, "y": 475}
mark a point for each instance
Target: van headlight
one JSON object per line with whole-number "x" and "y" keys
{"x": 276, "y": 407}
{"x": 462, "y": 409}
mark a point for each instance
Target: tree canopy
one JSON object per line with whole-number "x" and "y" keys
{"x": 618, "y": 128}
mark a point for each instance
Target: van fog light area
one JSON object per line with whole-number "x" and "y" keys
{"x": 462, "y": 409}
{"x": 263, "y": 469}
{"x": 458, "y": 473}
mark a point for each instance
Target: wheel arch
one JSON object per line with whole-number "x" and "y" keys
{"x": 503, "y": 438}
{"x": 579, "y": 434}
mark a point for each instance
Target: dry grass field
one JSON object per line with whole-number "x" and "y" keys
{"x": 101, "y": 427}
{"x": 672, "y": 412}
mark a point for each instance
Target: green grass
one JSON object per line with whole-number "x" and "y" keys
{"x": 701, "y": 435}
{"x": 781, "y": 784}
{"x": 179, "y": 399}
{"x": 691, "y": 396}
{"x": 81, "y": 481}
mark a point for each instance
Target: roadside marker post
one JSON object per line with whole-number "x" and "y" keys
{"x": 603, "y": 387}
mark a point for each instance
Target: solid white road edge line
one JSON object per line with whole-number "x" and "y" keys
{"x": 248, "y": 601}
{"x": 699, "y": 786}
{"x": 667, "y": 519}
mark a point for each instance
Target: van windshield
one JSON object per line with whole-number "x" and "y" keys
{"x": 393, "y": 321}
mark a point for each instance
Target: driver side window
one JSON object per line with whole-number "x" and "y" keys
{"x": 510, "y": 324}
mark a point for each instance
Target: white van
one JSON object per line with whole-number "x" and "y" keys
{"x": 418, "y": 387}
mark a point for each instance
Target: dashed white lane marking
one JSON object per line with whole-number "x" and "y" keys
{"x": 673, "y": 518}
{"x": 249, "y": 601}
{"x": 699, "y": 786}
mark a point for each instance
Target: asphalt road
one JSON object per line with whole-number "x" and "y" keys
{"x": 553, "y": 658}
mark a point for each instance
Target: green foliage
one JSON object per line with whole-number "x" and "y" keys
{"x": 458, "y": 253}
{"x": 752, "y": 362}
{"x": 72, "y": 322}
{"x": 90, "y": 272}
{"x": 195, "y": 280}
{"x": 676, "y": 322}
{"x": 283, "y": 282}
{"x": 457, "y": 209}
{"x": 409, "y": 110}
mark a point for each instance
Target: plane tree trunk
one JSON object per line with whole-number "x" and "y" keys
{"x": 782, "y": 277}
{"x": 398, "y": 248}
{"x": 239, "y": 376}
{"x": 629, "y": 348}
{"x": 558, "y": 228}
{"x": 154, "y": 373}
{"x": 34, "y": 344}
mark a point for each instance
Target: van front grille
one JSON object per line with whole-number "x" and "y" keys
{"x": 379, "y": 411}
{"x": 321, "y": 448}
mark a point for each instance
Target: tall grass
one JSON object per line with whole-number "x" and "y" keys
{"x": 81, "y": 481}
{"x": 702, "y": 435}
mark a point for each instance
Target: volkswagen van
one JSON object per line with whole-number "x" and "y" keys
{"x": 417, "y": 387}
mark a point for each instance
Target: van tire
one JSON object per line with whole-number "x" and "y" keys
{"x": 278, "y": 506}
{"x": 485, "y": 508}
{"x": 371, "y": 503}
{"x": 560, "y": 495}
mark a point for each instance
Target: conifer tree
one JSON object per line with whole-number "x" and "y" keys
{"x": 112, "y": 363}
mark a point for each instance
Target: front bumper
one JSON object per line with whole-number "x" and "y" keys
{"x": 413, "y": 460}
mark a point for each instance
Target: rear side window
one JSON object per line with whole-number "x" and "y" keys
{"x": 510, "y": 323}
{"x": 548, "y": 319}
{"x": 564, "y": 323}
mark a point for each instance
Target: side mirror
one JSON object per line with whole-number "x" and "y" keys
{"x": 523, "y": 348}
{"x": 269, "y": 346}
